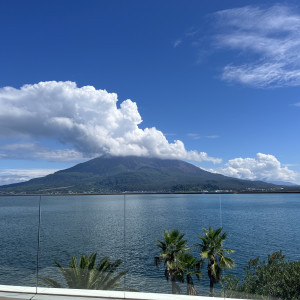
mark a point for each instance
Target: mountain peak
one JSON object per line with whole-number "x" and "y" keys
{"x": 107, "y": 173}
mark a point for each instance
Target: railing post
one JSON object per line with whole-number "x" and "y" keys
{"x": 38, "y": 244}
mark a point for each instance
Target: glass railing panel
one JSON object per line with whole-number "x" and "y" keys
{"x": 146, "y": 218}
{"x": 77, "y": 226}
{"x": 18, "y": 240}
{"x": 258, "y": 226}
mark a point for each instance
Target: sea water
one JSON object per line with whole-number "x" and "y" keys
{"x": 127, "y": 227}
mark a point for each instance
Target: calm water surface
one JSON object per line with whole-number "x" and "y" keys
{"x": 127, "y": 228}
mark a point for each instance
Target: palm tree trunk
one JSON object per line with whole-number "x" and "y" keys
{"x": 211, "y": 287}
{"x": 173, "y": 287}
{"x": 211, "y": 278}
{"x": 191, "y": 290}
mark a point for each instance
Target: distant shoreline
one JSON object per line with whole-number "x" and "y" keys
{"x": 150, "y": 193}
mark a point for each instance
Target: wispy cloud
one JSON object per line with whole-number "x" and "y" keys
{"x": 31, "y": 150}
{"x": 189, "y": 35}
{"x": 177, "y": 43}
{"x": 212, "y": 136}
{"x": 291, "y": 165}
{"x": 268, "y": 40}
{"x": 8, "y": 176}
{"x": 191, "y": 32}
{"x": 297, "y": 104}
{"x": 194, "y": 136}
{"x": 197, "y": 136}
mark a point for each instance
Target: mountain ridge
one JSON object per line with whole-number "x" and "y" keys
{"x": 109, "y": 174}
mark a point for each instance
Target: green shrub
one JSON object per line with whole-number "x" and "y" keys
{"x": 271, "y": 279}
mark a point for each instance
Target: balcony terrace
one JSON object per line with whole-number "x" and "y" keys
{"x": 38, "y": 229}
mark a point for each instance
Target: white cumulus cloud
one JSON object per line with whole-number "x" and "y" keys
{"x": 268, "y": 40}
{"x": 264, "y": 167}
{"x": 85, "y": 119}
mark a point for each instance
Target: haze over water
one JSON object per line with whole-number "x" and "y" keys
{"x": 127, "y": 227}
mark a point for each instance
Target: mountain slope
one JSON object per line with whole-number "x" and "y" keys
{"x": 132, "y": 173}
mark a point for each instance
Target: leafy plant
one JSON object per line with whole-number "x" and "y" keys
{"x": 211, "y": 249}
{"x": 172, "y": 248}
{"x": 179, "y": 264}
{"x": 190, "y": 266}
{"x": 87, "y": 274}
{"x": 274, "y": 278}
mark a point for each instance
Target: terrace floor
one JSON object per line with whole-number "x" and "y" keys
{"x": 31, "y": 293}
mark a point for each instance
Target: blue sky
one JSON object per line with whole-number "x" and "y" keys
{"x": 216, "y": 84}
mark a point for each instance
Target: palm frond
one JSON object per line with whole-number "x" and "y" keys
{"x": 50, "y": 282}
{"x": 226, "y": 262}
{"x": 172, "y": 247}
{"x": 212, "y": 250}
{"x": 86, "y": 275}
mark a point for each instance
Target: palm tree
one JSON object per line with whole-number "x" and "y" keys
{"x": 89, "y": 275}
{"x": 172, "y": 248}
{"x": 190, "y": 266}
{"x": 212, "y": 249}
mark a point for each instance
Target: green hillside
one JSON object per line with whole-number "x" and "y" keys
{"x": 109, "y": 174}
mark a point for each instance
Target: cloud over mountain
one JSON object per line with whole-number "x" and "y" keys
{"x": 85, "y": 119}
